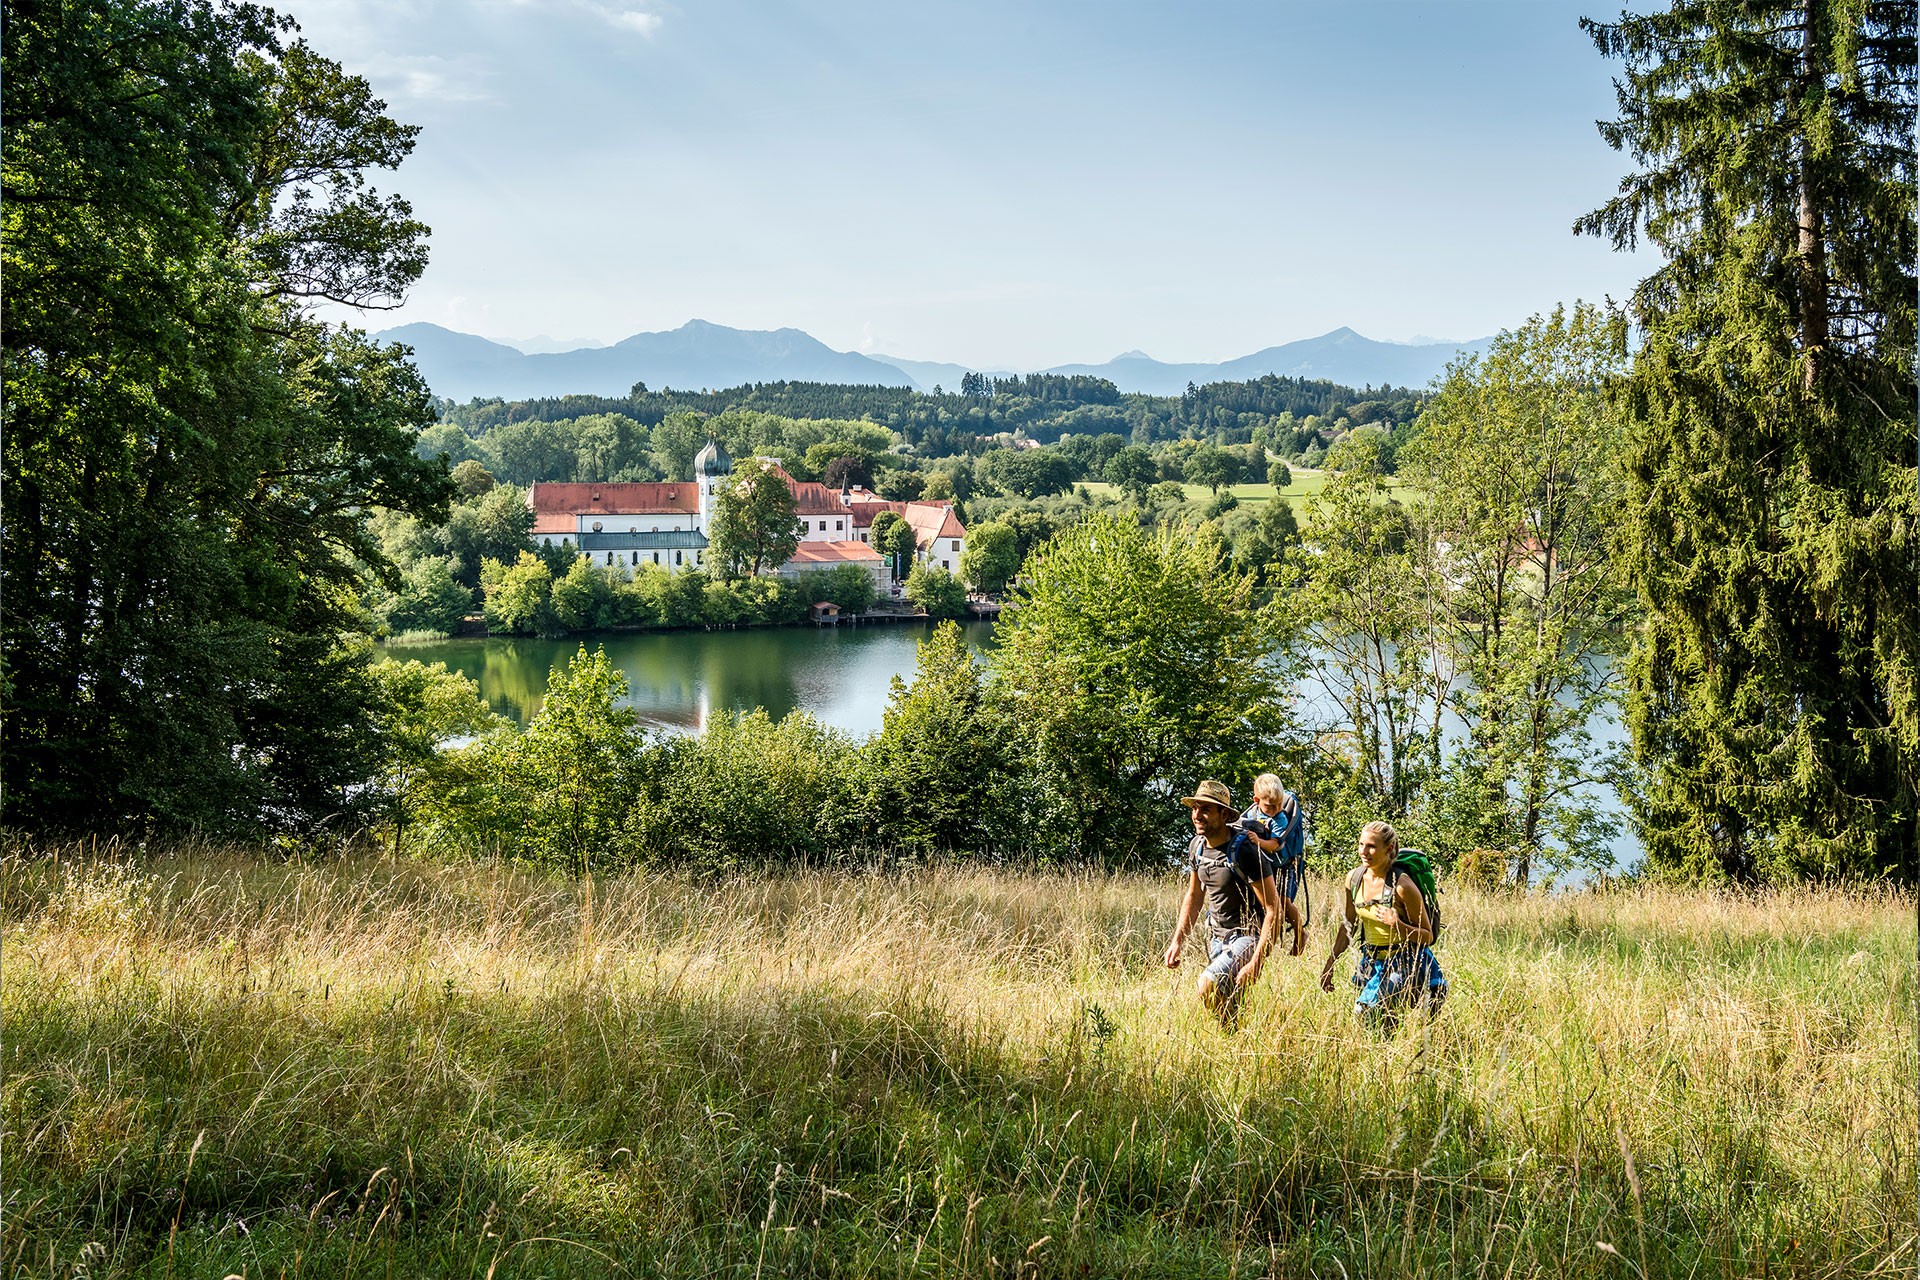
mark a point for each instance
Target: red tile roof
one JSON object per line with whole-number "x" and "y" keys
{"x": 811, "y": 499}
{"x": 628, "y": 498}
{"x": 834, "y": 553}
{"x": 930, "y": 520}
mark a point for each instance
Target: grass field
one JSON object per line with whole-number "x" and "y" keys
{"x": 1305, "y": 484}
{"x": 224, "y": 1064}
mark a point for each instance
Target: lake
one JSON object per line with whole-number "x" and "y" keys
{"x": 841, "y": 675}
{"x": 678, "y": 679}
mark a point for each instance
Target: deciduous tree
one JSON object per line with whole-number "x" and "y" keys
{"x": 1517, "y": 467}
{"x": 189, "y": 454}
{"x": 992, "y": 556}
{"x": 754, "y": 525}
{"x": 1138, "y": 668}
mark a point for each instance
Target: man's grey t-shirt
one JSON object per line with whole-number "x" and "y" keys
{"x": 1232, "y": 906}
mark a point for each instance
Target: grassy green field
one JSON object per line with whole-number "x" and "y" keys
{"x": 226, "y": 1064}
{"x": 1305, "y": 484}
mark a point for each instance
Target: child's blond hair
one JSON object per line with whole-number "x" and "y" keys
{"x": 1267, "y": 786}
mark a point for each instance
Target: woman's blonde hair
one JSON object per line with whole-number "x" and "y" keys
{"x": 1268, "y": 784}
{"x": 1384, "y": 830}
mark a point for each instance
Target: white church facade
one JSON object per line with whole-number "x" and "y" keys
{"x": 666, "y": 523}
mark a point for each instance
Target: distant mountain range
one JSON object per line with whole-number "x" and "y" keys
{"x": 699, "y": 355}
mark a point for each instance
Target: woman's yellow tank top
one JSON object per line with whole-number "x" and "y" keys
{"x": 1378, "y": 916}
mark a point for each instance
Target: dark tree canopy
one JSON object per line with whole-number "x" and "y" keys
{"x": 1773, "y": 691}
{"x": 190, "y": 457}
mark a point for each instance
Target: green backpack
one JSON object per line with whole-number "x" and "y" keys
{"x": 1425, "y": 876}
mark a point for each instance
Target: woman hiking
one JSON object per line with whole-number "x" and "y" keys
{"x": 1385, "y": 907}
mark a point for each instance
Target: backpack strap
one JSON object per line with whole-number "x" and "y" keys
{"x": 1229, "y": 853}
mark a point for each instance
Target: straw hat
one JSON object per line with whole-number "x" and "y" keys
{"x": 1210, "y": 792}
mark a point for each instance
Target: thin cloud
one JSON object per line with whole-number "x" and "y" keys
{"x": 424, "y": 78}
{"x": 638, "y": 21}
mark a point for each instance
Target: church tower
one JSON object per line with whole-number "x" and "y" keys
{"x": 710, "y": 466}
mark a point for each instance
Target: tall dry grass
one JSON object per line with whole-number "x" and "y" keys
{"x": 219, "y": 1063}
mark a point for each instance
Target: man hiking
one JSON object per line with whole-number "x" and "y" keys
{"x": 1227, "y": 873}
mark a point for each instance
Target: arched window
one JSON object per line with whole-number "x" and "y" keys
{"x": 678, "y": 557}
{"x": 636, "y": 557}
{"x": 656, "y": 557}
{"x": 609, "y": 557}
{"x": 546, "y": 542}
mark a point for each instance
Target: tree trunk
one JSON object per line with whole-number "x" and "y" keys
{"x": 1812, "y": 247}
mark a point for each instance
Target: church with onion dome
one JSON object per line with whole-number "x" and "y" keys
{"x": 632, "y": 524}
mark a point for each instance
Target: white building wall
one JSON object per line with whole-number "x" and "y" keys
{"x": 834, "y": 526}
{"x": 644, "y": 523}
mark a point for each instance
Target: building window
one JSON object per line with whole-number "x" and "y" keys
{"x": 823, "y": 526}
{"x": 656, "y": 557}
{"x": 596, "y": 526}
{"x": 839, "y": 525}
{"x": 636, "y": 557}
{"x": 956, "y": 544}
{"x": 946, "y": 566}
{"x": 609, "y": 557}
{"x": 677, "y": 556}
{"x": 546, "y": 542}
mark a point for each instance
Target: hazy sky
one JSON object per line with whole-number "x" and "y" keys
{"x": 1005, "y": 185}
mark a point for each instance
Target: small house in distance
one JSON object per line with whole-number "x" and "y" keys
{"x": 938, "y": 536}
{"x": 810, "y": 557}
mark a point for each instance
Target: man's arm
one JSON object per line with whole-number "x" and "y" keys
{"x": 1189, "y": 912}
{"x": 1348, "y": 923}
{"x": 1269, "y": 896}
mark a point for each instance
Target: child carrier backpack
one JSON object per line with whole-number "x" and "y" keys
{"x": 1292, "y": 857}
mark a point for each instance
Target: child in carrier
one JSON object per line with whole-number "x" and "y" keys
{"x": 1272, "y": 822}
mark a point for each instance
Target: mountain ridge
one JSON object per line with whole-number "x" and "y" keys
{"x": 701, "y": 354}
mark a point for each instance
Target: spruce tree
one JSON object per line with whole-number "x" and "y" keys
{"x": 1772, "y": 509}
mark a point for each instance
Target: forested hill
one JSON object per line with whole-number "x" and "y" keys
{"x": 1042, "y": 406}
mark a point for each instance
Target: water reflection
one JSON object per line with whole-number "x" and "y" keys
{"x": 677, "y": 680}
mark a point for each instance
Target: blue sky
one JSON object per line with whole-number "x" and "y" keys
{"x": 1005, "y": 185}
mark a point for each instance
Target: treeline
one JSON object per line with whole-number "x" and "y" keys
{"x": 1041, "y": 407}
{"x": 533, "y": 597}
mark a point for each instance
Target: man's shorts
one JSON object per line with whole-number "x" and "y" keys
{"x": 1226, "y": 958}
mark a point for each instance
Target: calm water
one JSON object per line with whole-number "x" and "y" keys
{"x": 842, "y": 675}
{"x": 678, "y": 679}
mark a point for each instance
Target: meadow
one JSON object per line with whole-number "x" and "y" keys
{"x": 1306, "y": 483}
{"x": 225, "y": 1062}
